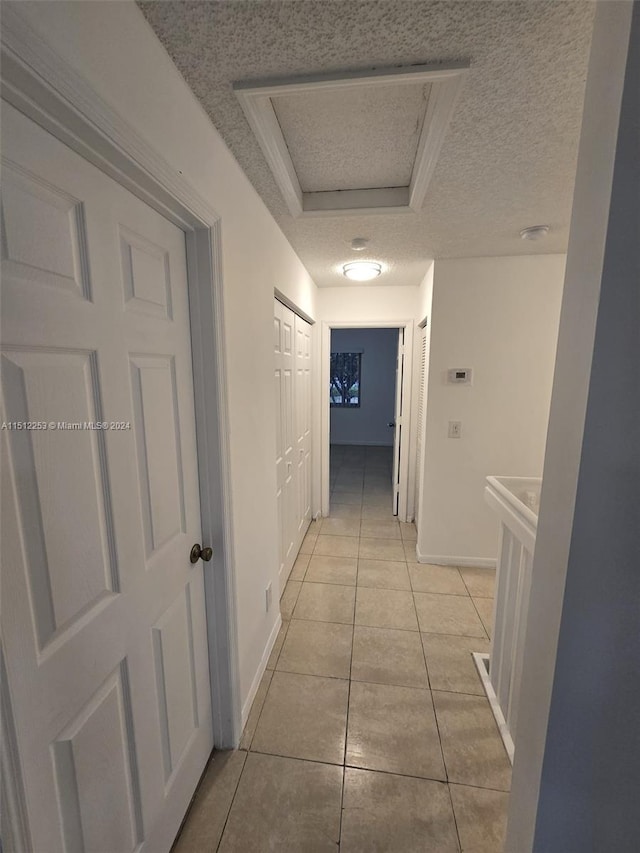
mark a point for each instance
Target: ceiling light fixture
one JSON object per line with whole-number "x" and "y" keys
{"x": 534, "y": 232}
{"x": 359, "y": 243}
{"x": 362, "y": 270}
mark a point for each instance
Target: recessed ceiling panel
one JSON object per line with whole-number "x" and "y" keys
{"x": 356, "y": 140}
{"x": 353, "y": 137}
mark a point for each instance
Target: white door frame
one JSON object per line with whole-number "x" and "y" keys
{"x": 407, "y": 450}
{"x": 44, "y": 87}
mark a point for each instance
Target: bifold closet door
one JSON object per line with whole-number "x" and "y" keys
{"x": 284, "y": 323}
{"x": 302, "y": 396}
{"x": 292, "y": 344}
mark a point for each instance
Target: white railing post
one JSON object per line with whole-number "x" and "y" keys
{"x": 515, "y": 501}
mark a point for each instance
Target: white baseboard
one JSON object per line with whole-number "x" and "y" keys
{"x": 246, "y": 708}
{"x": 442, "y": 560}
{"x": 481, "y": 661}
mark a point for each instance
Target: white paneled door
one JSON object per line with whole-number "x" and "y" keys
{"x": 103, "y": 615}
{"x": 292, "y": 346}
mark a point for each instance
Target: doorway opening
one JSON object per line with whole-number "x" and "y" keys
{"x": 362, "y": 402}
{"x": 366, "y": 408}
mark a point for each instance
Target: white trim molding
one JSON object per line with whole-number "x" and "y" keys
{"x": 481, "y": 660}
{"x": 464, "y": 562}
{"x": 255, "y": 684}
{"x": 48, "y": 90}
{"x": 280, "y": 296}
{"x": 256, "y": 99}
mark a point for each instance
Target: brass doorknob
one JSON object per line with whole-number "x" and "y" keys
{"x": 200, "y": 553}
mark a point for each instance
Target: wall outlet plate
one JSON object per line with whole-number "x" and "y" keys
{"x": 460, "y": 376}
{"x": 455, "y": 429}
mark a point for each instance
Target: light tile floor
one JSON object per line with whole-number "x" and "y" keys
{"x": 370, "y": 730}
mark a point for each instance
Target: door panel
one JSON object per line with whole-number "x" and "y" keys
{"x": 303, "y": 426}
{"x": 156, "y": 431}
{"x": 145, "y": 275}
{"x": 285, "y": 436}
{"x": 175, "y": 675}
{"x": 53, "y": 386}
{"x": 103, "y": 614}
{"x": 99, "y": 816}
{"x": 288, "y": 434}
{"x": 57, "y": 258}
{"x": 277, "y": 348}
{"x": 292, "y": 344}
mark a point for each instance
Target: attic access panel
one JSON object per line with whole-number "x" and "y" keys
{"x": 353, "y": 137}
{"x": 353, "y": 142}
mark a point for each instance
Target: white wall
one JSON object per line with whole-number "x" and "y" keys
{"x": 575, "y": 776}
{"x": 368, "y": 423}
{"x": 113, "y": 47}
{"x": 366, "y": 303}
{"x": 500, "y": 317}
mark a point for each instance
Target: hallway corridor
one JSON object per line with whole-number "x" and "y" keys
{"x": 370, "y": 730}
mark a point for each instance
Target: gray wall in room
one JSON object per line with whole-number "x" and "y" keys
{"x": 368, "y": 423}
{"x": 589, "y": 789}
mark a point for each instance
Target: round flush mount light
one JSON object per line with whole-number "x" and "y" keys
{"x": 535, "y": 232}
{"x": 362, "y": 270}
{"x": 359, "y": 243}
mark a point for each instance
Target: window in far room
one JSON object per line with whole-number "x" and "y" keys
{"x": 344, "y": 379}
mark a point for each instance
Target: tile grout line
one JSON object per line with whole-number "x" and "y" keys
{"x": 435, "y": 717}
{"x": 273, "y": 672}
{"x": 346, "y": 728}
{"x": 286, "y": 622}
{"x": 233, "y": 799}
{"x": 353, "y": 630}
{"x": 250, "y": 744}
{"x": 379, "y": 770}
{"x": 346, "y": 742}
{"x": 484, "y": 627}
{"x": 455, "y": 819}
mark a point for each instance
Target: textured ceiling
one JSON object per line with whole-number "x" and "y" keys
{"x": 353, "y": 138}
{"x": 508, "y": 159}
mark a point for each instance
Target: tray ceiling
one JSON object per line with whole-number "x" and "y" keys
{"x": 509, "y": 152}
{"x": 353, "y": 142}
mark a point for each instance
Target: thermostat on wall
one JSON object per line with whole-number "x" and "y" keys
{"x": 459, "y": 375}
